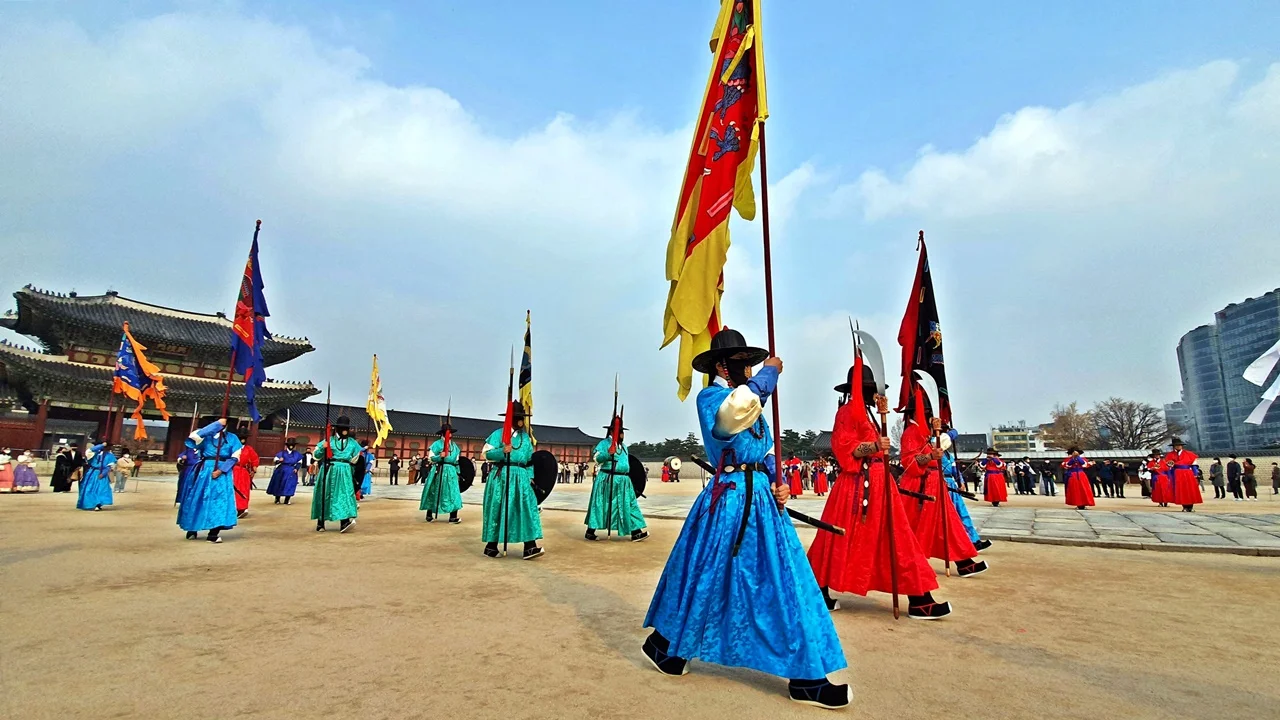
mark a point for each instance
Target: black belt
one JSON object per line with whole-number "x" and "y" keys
{"x": 503, "y": 464}
{"x": 745, "y": 467}
{"x": 615, "y": 472}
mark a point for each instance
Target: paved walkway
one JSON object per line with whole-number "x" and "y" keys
{"x": 1171, "y": 530}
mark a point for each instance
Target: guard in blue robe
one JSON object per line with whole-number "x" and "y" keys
{"x": 284, "y": 478}
{"x": 187, "y": 462}
{"x": 951, "y": 473}
{"x": 209, "y": 500}
{"x": 738, "y": 589}
{"x": 95, "y": 483}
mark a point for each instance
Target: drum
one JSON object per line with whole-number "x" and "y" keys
{"x": 637, "y": 474}
{"x": 545, "y": 471}
{"x": 466, "y": 474}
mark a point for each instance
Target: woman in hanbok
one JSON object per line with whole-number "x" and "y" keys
{"x": 1161, "y": 487}
{"x": 737, "y": 589}
{"x": 6, "y": 470}
{"x": 284, "y": 476}
{"x": 613, "y": 506}
{"x": 95, "y": 484}
{"x": 24, "y": 474}
{"x": 440, "y": 492}
{"x": 510, "y": 506}
{"x": 209, "y": 496}
{"x": 1079, "y": 492}
{"x": 820, "y": 478}
{"x": 370, "y": 462}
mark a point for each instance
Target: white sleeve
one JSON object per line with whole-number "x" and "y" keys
{"x": 738, "y": 412}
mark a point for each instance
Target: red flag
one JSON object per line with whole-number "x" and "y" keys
{"x": 508, "y": 426}
{"x": 921, "y": 339}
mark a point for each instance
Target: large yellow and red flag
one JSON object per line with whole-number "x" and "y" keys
{"x": 717, "y": 179}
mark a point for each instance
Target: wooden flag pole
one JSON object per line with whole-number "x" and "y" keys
{"x": 768, "y": 300}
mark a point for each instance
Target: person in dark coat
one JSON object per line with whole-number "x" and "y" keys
{"x": 64, "y": 466}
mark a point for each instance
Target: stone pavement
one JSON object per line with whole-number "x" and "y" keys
{"x": 1167, "y": 530}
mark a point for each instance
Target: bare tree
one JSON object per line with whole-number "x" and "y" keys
{"x": 1129, "y": 424}
{"x": 1072, "y": 428}
{"x": 895, "y": 433}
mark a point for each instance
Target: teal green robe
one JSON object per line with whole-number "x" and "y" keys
{"x": 335, "y": 495}
{"x": 613, "y": 504}
{"x": 518, "y": 521}
{"x": 440, "y": 491}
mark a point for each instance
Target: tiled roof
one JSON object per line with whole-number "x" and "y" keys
{"x": 15, "y": 358}
{"x": 148, "y": 323}
{"x": 311, "y": 414}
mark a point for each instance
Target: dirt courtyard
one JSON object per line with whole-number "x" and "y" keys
{"x": 114, "y": 615}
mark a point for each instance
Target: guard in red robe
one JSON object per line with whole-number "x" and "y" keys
{"x": 1161, "y": 487}
{"x": 1079, "y": 492}
{"x": 793, "y": 477}
{"x": 820, "y": 478}
{"x": 242, "y": 476}
{"x": 994, "y": 488}
{"x": 879, "y": 550}
{"x": 936, "y": 522}
{"x": 1180, "y": 468}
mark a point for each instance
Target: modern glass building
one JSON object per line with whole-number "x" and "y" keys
{"x": 1212, "y": 359}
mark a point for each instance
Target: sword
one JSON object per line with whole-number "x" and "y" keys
{"x": 794, "y": 514}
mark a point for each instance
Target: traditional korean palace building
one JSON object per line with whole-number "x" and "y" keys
{"x": 64, "y": 384}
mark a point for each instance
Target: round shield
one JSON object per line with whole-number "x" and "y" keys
{"x": 673, "y": 463}
{"x": 637, "y": 474}
{"x": 545, "y": 470}
{"x": 466, "y": 474}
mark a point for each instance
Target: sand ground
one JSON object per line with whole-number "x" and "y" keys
{"x": 114, "y": 615}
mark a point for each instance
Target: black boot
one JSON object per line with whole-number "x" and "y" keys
{"x": 192, "y": 534}
{"x": 591, "y": 534}
{"x": 431, "y": 518}
{"x": 924, "y": 607}
{"x": 491, "y": 550}
{"x": 319, "y": 526}
{"x": 639, "y": 535}
{"x": 995, "y": 504}
{"x": 345, "y": 525}
{"x": 277, "y": 502}
{"x": 286, "y": 500}
{"x": 532, "y": 551}
{"x": 832, "y": 604}
{"x": 655, "y": 648}
{"x": 213, "y": 535}
{"x": 969, "y": 568}
{"x": 982, "y": 544}
{"x": 453, "y": 517}
{"x": 820, "y": 693}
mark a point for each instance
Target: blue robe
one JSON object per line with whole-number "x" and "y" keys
{"x": 952, "y": 476}
{"x": 210, "y": 502}
{"x": 762, "y": 609}
{"x": 187, "y": 463}
{"x": 284, "y": 478}
{"x": 366, "y": 485}
{"x": 95, "y": 485}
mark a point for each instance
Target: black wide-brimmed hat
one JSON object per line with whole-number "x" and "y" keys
{"x": 1176, "y": 442}
{"x": 291, "y": 441}
{"x": 446, "y": 425}
{"x": 993, "y": 451}
{"x": 728, "y": 344}
{"x": 1074, "y": 449}
{"x": 519, "y": 411}
{"x": 343, "y": 423}
{"x": 868, "y": 378}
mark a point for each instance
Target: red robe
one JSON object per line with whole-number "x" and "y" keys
{"x": 994, "y": 489}
{"x": 793, "y": 477}
{"x": 1161, "y": 488}
{"x": 243, "y": 476}
{"x": 860, "y": 560}
{"x": 937, "y": 525}
{"x": 820, "y": 482}
{"x": 1186, "y": 489}
{"x": 1079, "y": 492}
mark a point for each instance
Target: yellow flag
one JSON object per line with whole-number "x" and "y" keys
{"x": 377, "y": 406}
{"x": 717, "y": 180}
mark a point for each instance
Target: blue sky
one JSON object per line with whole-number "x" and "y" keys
{"x": 1094, "y": 180}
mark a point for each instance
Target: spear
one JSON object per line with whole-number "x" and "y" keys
{"x": 616, "y": 428}
{"x": 882, "y": 407}
{"x": 508, "y": 429}
{"x": 328, "y": 454}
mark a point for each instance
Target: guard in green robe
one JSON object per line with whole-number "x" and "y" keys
{"x": 335, "y": 494}
{"x": 510, "y": 507}
{"x": 440, "y": 490}
{"x": 613, "y": 506}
